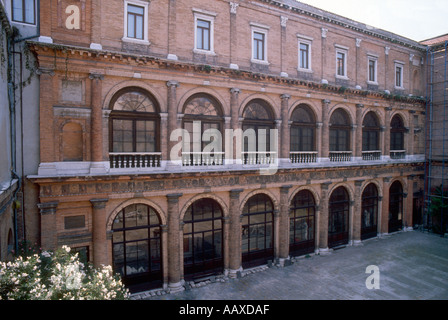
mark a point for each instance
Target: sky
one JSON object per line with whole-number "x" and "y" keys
{"x": 414, "y": 19}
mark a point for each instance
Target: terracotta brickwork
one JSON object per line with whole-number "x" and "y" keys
{"x": 84, "y": 71}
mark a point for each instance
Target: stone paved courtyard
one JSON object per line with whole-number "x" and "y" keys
{"x": 412, "y": 266}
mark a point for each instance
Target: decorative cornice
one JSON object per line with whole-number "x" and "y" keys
{"x": 123, "y": 57}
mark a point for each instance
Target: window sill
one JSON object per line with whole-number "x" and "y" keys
{"x": 305, "y": 70}
{"x": 136, "y": 41}
{"x": 263, "y": 62}
{"x": 342, "y": 77}
{"x": 205, "y": 52}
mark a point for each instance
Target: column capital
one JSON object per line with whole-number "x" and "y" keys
{"x": 48, "y": 71}
{"x": 96, "y": 76}
{"x": 285, "y": 96}
{"x": 173, "y": 197}
{"x": 48, "y": 208}
{"x": 99, "y": 203}
{"x": 235, "y": 90}
{"x": 235, "y": 193}
{"x": 325, "y": 185}
{"x": 359, "y": 183}
{"x": 359, "y": 106}
{"x": 172, "y": 83}
{"x": 388, "y": 108}
{"x": 285, "y": 189}
{"x": 233, "y": 7}
{"x": 326, "y": 101}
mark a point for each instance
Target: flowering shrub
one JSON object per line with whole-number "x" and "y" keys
{"x": 58, "y": 275}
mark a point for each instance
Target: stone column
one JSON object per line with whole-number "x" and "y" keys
{"x": 95, "y": 35}
{"x": 358, "y": 45}
{"x": 164, "y": 137}
{"x": 172, "y": 24}
{"x": 47, "y": 151}
{"x": 325, "y": 151}
{"x": 285, "y": 135}
{"x": 235, "y": 233}
{"x": 386, "y": 67}
{"x": 409, "y": 205}
{"x": 174, "y": 243}
{"x": 323, "y": 223}
{"x": 100, "y": 256}
{"x": 357, "y": 214}
{"x": 358, "y": 136}
{"x": 283, "y": 49}
{"x": 234, "y": 124}
{"x": 323, "y": 60}
{"x": 283, "y": 225}
{"x": 233, "y": 34}
{"x": 410, "y": 150}
{"x": 48, "y": 224}
{"x": 172, "y": 121}
{"x": 384, "y": 228}
{"x": 96, "y": 128}
{"x": 386, "y": 144}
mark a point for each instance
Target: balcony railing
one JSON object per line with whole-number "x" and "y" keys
{"x": 258, "y": 157}
{"x": 340, "y": 156}
{"x": 120, "y": 160}
{"x": 303, "y": 157}
{"x": 202, "y": 158}
{"x": 397, "y": 154}
{"x": 371, "y": 155}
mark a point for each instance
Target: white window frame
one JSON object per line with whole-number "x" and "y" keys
{"x": 209, "y": 17}
{"x": 259, "y": 28}
{"x": 375, "y": 59}
{"x": 23, "y": 22}
{"x": 343, "y": 50}
{"x": 137, "y": 3}
{"x": 399, "y": 64}
{"x": 308, "y": 41}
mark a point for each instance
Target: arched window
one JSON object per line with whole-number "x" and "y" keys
{"x": 397, "y": 131}
{"x": 136, "y": 245}
{"x": 72, "y": 142}
{"x": 340, "y": 131}
{"x": 395, "y": 207}
{"x": 369, "y": 212}
{"x": 134, "y": 128}
{"x": 338, "y": 223}
{"x": 370, "y": 132}
{"x": 205, "y": 112}
{"x": 259, "y": 118}
{"x": 203, "y": 238}
{"x": 257, "y": 231}
{"x": 303, "y": 129}
{"x": 302, "y": 223}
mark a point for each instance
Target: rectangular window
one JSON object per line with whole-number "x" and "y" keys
{"x": 340, "y": 63}
{"x": 136, "y": 22}
{"x": 258, "y": 45}
{"x": 304, "y": 56}
{"x": 24, "y": 11}
{"x": 372, "y": 70}
{"x": 203, "y": 35}
{"x": 398, "y": 76}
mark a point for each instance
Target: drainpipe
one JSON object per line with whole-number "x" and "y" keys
{"x": 12, "y": 105}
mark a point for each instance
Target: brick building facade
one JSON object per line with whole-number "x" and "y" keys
{"x": 118, "y": 77}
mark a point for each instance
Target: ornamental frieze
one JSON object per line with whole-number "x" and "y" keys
{"x": 171, "y": 182}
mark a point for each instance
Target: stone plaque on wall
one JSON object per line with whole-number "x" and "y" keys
{"x": 71, "y": 91}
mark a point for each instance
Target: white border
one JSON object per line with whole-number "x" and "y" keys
{"x": 206, "y": 16}
{"x": 259, "y": 28}
{"x": 145, "y": 22}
